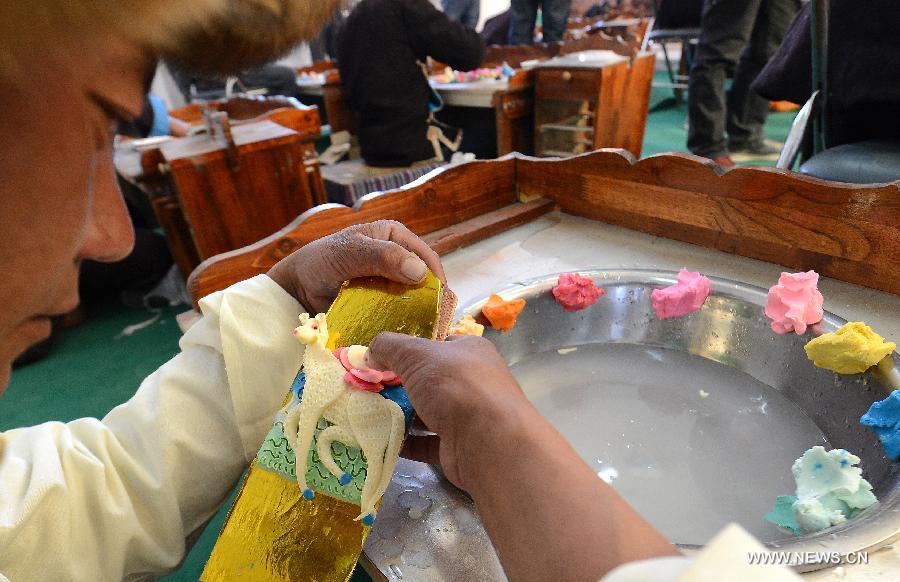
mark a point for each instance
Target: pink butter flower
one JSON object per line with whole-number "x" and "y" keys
{"x": 575, "y": 292}
{"x": 795, "y": 302}
{"x": 367, "y": 379}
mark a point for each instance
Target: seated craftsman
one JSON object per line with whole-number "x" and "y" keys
{"x": 117, "y": 498}
{"x": 381, "y": 54}
{"x": 863, "y": 72}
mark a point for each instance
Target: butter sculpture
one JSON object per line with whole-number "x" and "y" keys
{"x": 852, "y": 349}
{"x": 277, "y": 531}
{"x": 502, "y": 314}
{"x": 685, "y": 296}
{"x": 830, "y": 489}
{"x": 883, "y": 417}
{"x": 467, "y": 326}
{"x": 341, "y": 388}
{"x": 795, "y": 302}
{"x": 575, "y": 292}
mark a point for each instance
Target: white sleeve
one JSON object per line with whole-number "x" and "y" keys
{"x": 114, "y": 499}
{"x": 726, "y": 557}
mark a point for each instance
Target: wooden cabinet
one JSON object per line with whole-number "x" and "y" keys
{"x": 233, "y": 196}
{"x": 217, "y": 192}
{"x": 583, "y": 105}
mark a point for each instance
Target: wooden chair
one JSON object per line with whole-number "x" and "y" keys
{"x": 676, "y": 26}
{"x": 514, "y": 114}
{"x": 762, "y": 213}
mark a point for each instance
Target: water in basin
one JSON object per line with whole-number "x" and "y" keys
{"x": 692, "y": 444}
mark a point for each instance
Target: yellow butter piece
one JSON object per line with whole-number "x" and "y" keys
{"x": 467, "y": 326}
{"x": 852, "y": 349}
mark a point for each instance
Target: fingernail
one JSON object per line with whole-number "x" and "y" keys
{"x": 413, "y": 268}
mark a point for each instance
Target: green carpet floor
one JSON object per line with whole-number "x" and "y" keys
{"x": 667, "y": 131}
{"x": 91, "y": 369}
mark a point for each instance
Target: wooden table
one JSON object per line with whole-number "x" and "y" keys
{"x": 501, "y": 221}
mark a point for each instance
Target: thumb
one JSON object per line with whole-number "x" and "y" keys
{"x": 389, "y": 260}
{"x": 400, "y": 353}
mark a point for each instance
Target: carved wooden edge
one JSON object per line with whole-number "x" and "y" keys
{"x": 846, "y": 231}
{"x": 849, "y": 232}
{"x": 441, "y": 199}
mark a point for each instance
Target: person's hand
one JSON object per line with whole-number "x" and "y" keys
{"x": 313, "y": 274}
{"x": 461, "y": 389}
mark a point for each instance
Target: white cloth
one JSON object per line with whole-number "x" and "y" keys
{"x": 725, "y": 557}
{"x": 114, "y": 499}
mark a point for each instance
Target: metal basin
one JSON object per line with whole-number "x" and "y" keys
{"x": 756, "y": 381}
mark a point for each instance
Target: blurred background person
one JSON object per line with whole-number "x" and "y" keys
{"x": 554, "y": 15}
{"x": 739, "y": 36}
{"x": 382, "y": 51}
{"x": 463, "y": 11}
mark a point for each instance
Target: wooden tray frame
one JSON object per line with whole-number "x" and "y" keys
{"x": 849, "y": 232}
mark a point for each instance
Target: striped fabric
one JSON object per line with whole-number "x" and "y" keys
{"x": 347, "y": 182}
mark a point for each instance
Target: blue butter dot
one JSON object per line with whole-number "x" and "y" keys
{"x": 308, "y": 494}
{"x": 345, "y": 478}
{"x": 369, "y": 519}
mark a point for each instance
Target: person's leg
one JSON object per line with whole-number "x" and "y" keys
{"x": 725, "y": 28}
{"x": 747, "y": 111}
{"x": 555, "y": 14}
{"x": 454, "y": 9}
{"x": 472, "y": 13}
{"x": 524, "y": 13}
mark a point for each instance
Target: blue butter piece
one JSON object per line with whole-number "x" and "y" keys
{"x": 883, "y": 417}
{"x": 783, "y": 514}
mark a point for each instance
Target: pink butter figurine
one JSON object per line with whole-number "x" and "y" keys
{"x": 685, "y": 296}
{"x": 795, "y": 302}
{"x": 359, "y": 374}
{"x": 575, "y": 292}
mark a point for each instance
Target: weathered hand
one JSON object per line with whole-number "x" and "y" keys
{"x": 313, "y": 274}
{"x": 462, "y": 389}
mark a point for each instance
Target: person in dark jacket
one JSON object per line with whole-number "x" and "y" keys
{"x": 496, "y": 29}
{"x": 863, "y": 70}
{"x": 380, "y": 50}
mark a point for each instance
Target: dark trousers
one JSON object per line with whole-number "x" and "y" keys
{"x": 738, "y": 35}
{"x": 463, "y": 11}
{"x": 554, "y": 15}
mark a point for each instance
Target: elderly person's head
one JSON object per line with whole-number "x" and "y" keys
{"x": 69, "y": 70}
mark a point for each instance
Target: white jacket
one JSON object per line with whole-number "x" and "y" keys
{"x": 114, "y": 499}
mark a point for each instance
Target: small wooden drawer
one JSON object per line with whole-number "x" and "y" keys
{"x": 568, "y": 84}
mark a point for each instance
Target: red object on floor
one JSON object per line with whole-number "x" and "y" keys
{"x": 724, "y": 161}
